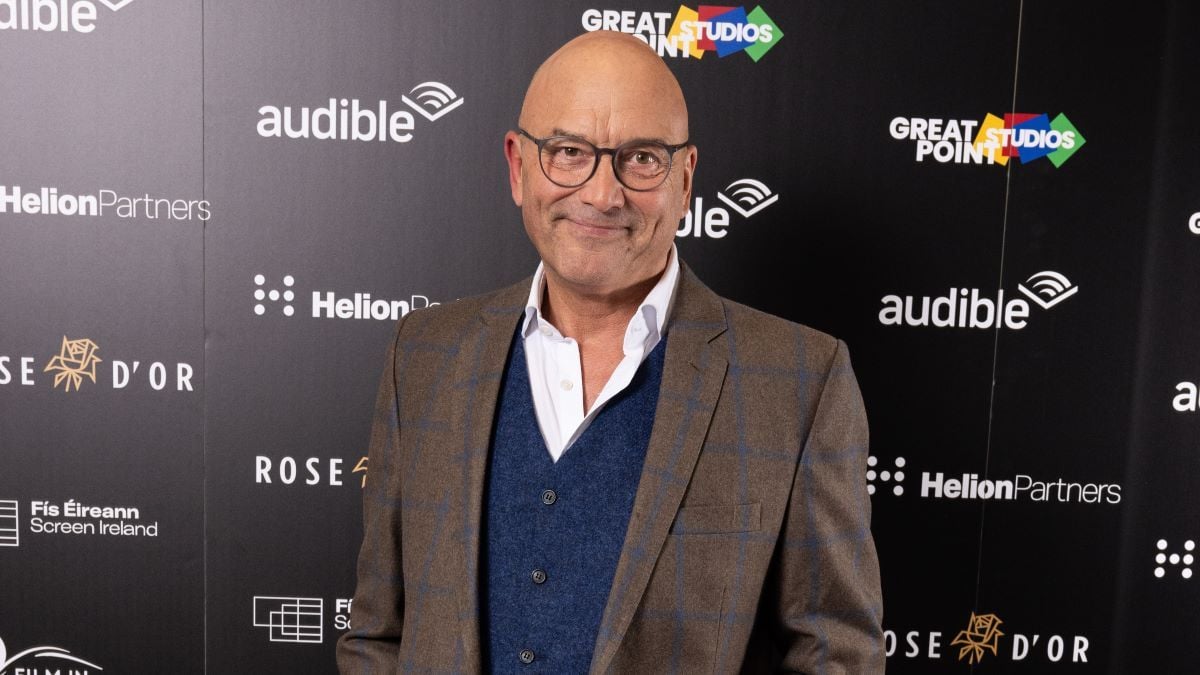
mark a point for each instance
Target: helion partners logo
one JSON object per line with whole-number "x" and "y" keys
{"x": 63, "y": 16}
{"x": 330, "y": 305}
{"x": 994, "y": 140}
{"x": 692, "y": 33}
{"x": 971, "y": 486}
{"x": 51, "y": 201}
{"x": 350, "y": 120}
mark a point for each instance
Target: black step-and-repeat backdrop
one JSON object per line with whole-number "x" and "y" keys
{"x": 212, "y": 212}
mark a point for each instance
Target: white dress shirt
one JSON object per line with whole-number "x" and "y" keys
{"x": 555, "y": 369}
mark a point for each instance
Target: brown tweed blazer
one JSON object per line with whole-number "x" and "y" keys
{"x": 749, "y": 547}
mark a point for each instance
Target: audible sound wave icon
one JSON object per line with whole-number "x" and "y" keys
{"x": 1048, "y": 288}
{"x": 434, "y": 99}
{"x": 748, "y": 196}
{"x": 114, "y": 6}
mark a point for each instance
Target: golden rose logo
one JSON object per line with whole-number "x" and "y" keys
{"x": 982, "y": 633}
{"x": 362, "y": 466}
{"x": 76, "y": 360}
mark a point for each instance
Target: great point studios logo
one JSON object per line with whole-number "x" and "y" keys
{"x": 995, "y": 140}
{"x": 298, "y": 620}
{"x": 971, "y": 308}
{"x": 353, "y": 120}
{"x": 986, "y": 638}
{"x": 283, "y": 297}
{"x": 78, "y": 366}
{"x": 691, "y": 33}
{"x": 63, "y": 16}
{"x": 745, "y": 196}
{"x": 884, "y": 479}
{"x": 35, "y": 661}
{"x": 73, "y": 517}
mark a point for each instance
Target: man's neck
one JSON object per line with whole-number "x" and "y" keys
{"x": 585, "y": 316}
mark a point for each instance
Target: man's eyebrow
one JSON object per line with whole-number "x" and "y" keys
{"x": 558, "y": 131}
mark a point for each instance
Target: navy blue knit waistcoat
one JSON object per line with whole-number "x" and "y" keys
{"x": 554, "y": 531}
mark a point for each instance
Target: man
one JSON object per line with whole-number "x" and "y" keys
{"x": 609, "y": 468}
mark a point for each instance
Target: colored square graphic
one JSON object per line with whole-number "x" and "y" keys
{"x": 687, "y": 17}
{"x": 1063, "y": 126}
{"x": 758, "y": 49}
{"x": 989, "y": 140}
{"x": 731, "y": 24}
{"x": 1029, "y": 140}
{"x": 709, "y": 14}
{"x": 1011, "y": 120}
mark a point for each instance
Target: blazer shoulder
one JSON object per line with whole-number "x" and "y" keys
{"x": 771, "y": 338}
{"x": 448, "y": 321}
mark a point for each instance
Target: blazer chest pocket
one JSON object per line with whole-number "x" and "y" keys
{"x": 720, "y": 519}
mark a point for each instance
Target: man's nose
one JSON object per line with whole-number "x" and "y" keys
{"x": 603, "y": 191}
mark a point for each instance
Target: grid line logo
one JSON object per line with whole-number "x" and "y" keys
{"x": 10, "y": 523}
{"x": 298, "y": 620}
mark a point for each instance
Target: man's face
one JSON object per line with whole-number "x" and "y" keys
{"x": 601, "y": 237}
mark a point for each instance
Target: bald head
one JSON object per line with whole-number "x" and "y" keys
{"x": 611, "y": 87}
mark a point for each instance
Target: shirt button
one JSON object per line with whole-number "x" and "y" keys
{"x": 539, "y": 577}
{"x": 546, "y": 330}
{"x": 549, "y": 497}
{"x": 566, "y": 385}
{"x": 526, "y": 656}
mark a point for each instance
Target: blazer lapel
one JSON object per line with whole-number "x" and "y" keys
{"x": 693, "y": 374}
{"x": 476, "y": 383}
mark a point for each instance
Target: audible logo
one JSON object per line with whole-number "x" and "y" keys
{"x": 969, "y": 308}
{"x": 64, "y": 16}
{"x": 1185, "y": 400}
{"x": 745, "y": 196}
{"x": 349, "y": 120}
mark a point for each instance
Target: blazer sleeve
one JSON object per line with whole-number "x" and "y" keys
{"x": 372, "y": 644}
{"x": 831, "y": 606}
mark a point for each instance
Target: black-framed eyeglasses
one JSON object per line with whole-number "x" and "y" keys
{"x": 570, "y": 161}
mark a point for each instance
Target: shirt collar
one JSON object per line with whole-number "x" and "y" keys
{"x": 651, "y": 315}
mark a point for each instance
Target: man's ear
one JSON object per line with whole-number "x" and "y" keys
{"x": 512, "y": 154}
{"x": 689, "y": 168}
